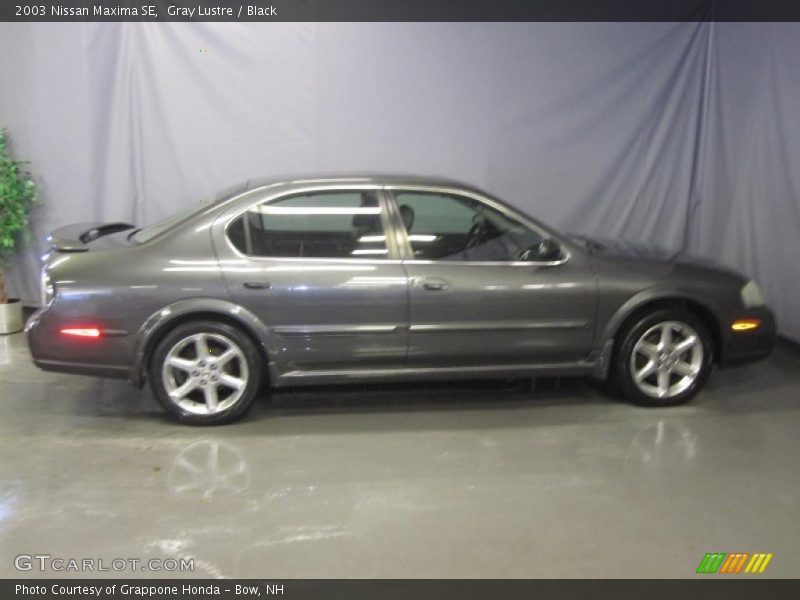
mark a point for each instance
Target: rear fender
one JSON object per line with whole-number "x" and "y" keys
{"x": 181, "y": 311}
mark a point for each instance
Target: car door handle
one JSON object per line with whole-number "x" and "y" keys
{"x": 435, "y": 285}
{"x": 257, "y": 285}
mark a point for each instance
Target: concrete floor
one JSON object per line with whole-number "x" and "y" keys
{"x": 488, "y": 480}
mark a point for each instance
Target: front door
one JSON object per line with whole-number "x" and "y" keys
{"x": 317, "y": 268}
{"x": 474, "y": 298}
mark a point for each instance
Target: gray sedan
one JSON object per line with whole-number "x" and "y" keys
{"x": 379, "y": 278}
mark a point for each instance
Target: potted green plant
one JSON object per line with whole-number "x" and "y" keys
{"x": 17, "y": 197}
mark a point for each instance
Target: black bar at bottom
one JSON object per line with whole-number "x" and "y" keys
{"x": 711, "y": 587}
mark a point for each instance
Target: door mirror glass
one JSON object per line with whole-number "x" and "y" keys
{"x": 546, "y": 250}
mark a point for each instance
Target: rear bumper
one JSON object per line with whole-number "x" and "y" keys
{"x": 741, "y": 347}
{"x": 51, "y": 351}
{"x": 76, "y": 368}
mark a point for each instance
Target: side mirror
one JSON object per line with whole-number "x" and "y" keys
{"x": 545, "y": 251}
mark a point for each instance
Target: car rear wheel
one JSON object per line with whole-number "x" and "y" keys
{"x": 664, "y": 359}
{"x": 205, "y": 372}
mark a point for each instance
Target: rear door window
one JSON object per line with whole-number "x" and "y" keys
{"x": 346, "y": 224}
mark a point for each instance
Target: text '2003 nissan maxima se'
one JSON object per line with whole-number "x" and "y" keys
{"x": 379, "y": 278}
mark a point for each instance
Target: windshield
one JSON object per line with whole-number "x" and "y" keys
{"x": 147, "y": 233}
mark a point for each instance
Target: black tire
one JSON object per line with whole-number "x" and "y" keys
{"x": 243, "y": 367}
{"x": 684, "y": 387}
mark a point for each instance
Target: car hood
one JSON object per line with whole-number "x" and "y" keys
{"x": 627, "y": 250}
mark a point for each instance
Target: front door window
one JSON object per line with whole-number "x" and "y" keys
{"x": 446, "y": 227}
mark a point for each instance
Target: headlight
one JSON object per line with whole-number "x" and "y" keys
{"x": 751, "y": 295}
{"x": 48, "y": 288}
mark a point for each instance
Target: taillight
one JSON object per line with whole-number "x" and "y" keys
{"x": 48, "y": 287}
{"x": 82, "y": 332}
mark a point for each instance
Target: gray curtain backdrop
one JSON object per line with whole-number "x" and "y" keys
{"x": 682, "y": 135}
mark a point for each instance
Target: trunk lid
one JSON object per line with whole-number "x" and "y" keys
{"x": 82, "y": 237}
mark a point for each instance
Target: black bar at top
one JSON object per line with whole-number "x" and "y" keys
{"x": 402, "y": 10}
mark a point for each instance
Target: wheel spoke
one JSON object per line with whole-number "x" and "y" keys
{"x": 666, "y": 336}
{"x": 648, "y": 349}
{"x": 646, "y": 371}
{"x": 212, "y": 399}
{"x": 201, "y": 346}
{"x": 184, "y": 389}
{"x": 230, "y": 381}
{"x": 227, "y": 356}
{"x": 684, "y": 369}
{"x": 180, "y": 363}
{"x": 663, "y": 383}
{"x": 685, "y": 345}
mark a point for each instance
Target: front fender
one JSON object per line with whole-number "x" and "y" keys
{"x": 607, "y": 336}
{"x": 182, "y": 310}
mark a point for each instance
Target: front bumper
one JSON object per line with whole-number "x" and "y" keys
{"x": 740, "y": 347}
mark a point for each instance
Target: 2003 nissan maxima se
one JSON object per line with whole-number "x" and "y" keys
{"x": 355, "y": 279}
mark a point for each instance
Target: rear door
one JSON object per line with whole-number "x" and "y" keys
{"x": 474, "y": 300}
{"x": 320, "y": 268}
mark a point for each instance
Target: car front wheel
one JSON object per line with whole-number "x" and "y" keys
{"x": 205, "y": 372}
{"x": 664, "y": 359}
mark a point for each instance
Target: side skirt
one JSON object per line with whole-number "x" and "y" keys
{"x": 293, "y": 378}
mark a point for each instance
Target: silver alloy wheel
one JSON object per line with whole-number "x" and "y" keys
{"x": 667, "y": 359}
{"x": 205, "y": 373}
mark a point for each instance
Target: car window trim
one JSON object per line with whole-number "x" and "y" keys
{"x": 394, "y": 255}
{"x": 405, "y": 246}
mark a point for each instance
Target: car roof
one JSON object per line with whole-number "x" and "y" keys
{"x": 354, "y": 178}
